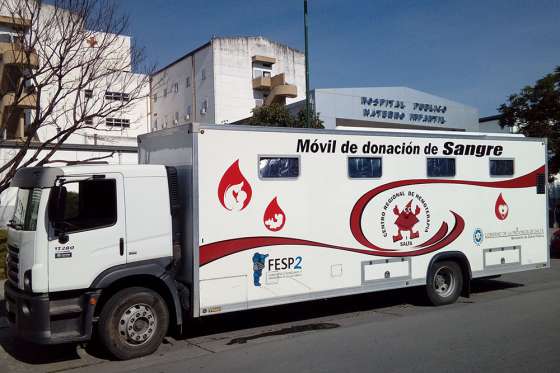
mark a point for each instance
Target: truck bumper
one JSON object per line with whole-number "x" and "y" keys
{"x": 44, "y": 319}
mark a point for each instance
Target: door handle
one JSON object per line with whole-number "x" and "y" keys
{"x": 121, "y": 246}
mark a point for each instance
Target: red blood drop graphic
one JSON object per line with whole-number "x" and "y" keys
{"x": 274, "y": 218}
{"x": 234, "y": 191}
{"x": 501, "y": 208}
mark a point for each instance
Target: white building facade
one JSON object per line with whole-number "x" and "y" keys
{"x": 224, "y": 79}
{"x": 390, "y": 107}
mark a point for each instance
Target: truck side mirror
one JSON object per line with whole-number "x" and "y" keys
{"x": 57, "y": 205}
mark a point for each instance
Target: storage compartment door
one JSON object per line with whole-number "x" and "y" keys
{"x": 223, "y": 294}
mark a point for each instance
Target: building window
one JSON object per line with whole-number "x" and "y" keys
{"x": 364, "y": 167}
{"x": 117, "y": 96}
{"x": 189, "y": 112}
{"x": 5, "y": 38}
{"x": 176, "y": 121}
{"x": 117, "y": 122}
{"x": 501, "y": 167}
{"x": 88, "y": 93}
{"x": 165, "y": 92}
{"x": 203, "y": 74}
{"x": 278, "y": 167}
{"x": 188, "y": 81}
{"x": 175, "y": 87}
{"x": 155, "y": 97}
{"x": 262, "y": 70}
{"x": 204, "y": 107}
{"x": 155, "y": 124}
{"x": 441, "y": 167}
{"x": 88, "y": 121}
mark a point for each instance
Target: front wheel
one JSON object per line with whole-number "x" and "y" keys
{"x": 445, "y": 281}
{"x": 133, "y": 323}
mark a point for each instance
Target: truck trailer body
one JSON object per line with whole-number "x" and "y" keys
{"x": 227, "y": 218}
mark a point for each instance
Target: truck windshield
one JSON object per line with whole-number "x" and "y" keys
{"x": 26, "y": 209}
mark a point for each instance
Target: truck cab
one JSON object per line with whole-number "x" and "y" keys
{"x": 80, "y": 236}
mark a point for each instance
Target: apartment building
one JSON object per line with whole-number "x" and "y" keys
{"x": 224, "y": 79}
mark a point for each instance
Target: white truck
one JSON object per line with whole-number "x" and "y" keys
{"x": 228, "y": 218}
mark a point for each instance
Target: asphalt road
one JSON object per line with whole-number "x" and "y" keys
{"x": 511, "y": 323}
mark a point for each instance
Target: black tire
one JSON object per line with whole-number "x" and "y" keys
{"x": 133, "y": 323}
{"x": 445, "y": 282}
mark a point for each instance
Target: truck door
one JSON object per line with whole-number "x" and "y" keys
{"x": 94, "y": 232}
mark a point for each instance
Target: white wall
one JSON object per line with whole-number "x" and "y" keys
{"x": 493, "y": 126}
{"x": 173, "y": 109}
{"x": 204, "y": 65}
{"x": 346, "y": 103}
{"x": 235, "y": 97}
{"x": 165, "y": 102}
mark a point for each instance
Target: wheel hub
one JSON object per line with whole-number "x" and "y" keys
{"x": 137, "y": 324}
{"x": 444, "y": 282}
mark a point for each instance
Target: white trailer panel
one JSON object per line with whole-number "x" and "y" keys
{"x": 319, "y": 232}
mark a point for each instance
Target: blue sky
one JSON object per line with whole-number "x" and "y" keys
{"x": 474, "y": 52}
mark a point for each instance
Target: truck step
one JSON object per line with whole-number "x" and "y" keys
{"x": 65, "y": 309}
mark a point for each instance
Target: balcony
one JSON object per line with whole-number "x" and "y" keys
{"x": 262, "y": 83}
{"x": 279, "y": 93}
{"x": 13, "y": 54}
{"x": 264, "y": 59}
{"x": 9, "y": 104}
{"x": 15, "y": 22}
{"x": 25, "y": 102}
{"x": 12, "y": 114}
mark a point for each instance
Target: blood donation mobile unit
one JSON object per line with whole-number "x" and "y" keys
{"x": 221, "y": 218}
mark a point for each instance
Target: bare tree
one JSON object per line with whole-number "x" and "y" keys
{"x": 72, "y": 50}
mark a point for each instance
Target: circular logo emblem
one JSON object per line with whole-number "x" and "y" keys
{"x": 478, "y": 236}
{"x": 405, "y": 217}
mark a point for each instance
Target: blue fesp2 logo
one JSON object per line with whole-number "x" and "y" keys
{"x": 258, "y": 266}
{"x": 286, "y": 265}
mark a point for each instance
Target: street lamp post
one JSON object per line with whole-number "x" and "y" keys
{"x": 307, "y": 111}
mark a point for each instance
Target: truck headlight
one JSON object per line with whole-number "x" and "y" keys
{"x": 27, "y": 284}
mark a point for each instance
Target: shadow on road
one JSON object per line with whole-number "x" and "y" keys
{"x": 322, "y": 308}
{"x": 302, "y": 311}
{"x": 35, "y": 354}
{"x": 484, "y": 285}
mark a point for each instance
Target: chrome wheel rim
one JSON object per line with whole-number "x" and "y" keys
{"x": 138, "y": 324}
{"x": 444, "y": 282}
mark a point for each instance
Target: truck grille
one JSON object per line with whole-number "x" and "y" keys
{"x": 13, "y": 265}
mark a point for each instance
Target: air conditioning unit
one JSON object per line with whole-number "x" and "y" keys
{"x": 259, "y": 102}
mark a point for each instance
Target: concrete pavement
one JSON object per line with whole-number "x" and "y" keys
{"x": 508, "y": 323}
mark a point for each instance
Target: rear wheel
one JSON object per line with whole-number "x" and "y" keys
{"x": 445, "y": 281}
{"x": 133, "y": 323}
